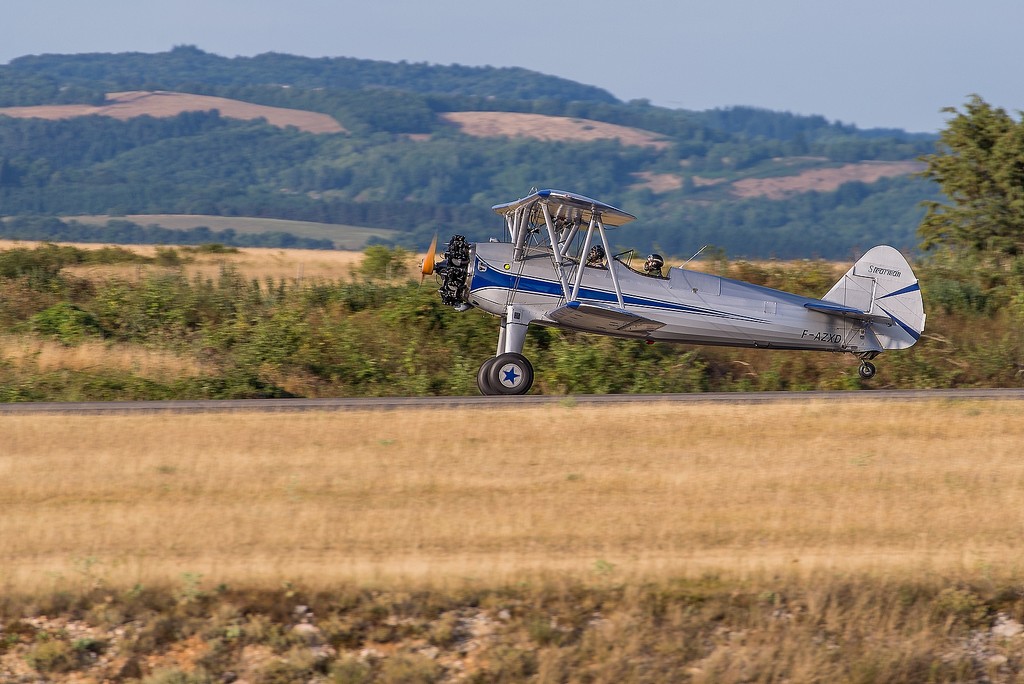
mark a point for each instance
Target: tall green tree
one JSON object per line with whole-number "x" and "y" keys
{"x": 980, "y": 167}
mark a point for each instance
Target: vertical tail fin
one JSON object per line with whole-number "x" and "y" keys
{"x": 882, "y": 283}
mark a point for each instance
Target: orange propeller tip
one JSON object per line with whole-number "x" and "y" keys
{"x": 428, "y": 260}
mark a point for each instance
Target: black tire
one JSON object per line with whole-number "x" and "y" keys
{"x": 483, "y": 382}
{"x": 866, "y": 370}
{"x": 510, "y": 373}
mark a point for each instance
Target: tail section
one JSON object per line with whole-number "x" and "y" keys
{"x": 882, "y": 283}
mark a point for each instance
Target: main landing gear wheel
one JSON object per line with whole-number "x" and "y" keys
{"x": 509, "y": 373}
{"x": 482, "y": 375}
{"x": 866, "y": 370}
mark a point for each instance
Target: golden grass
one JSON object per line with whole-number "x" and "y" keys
{"x": 288, "y": 264}
{"x": 48, "y": 355}
{"x": 491, "y": 495}
{"x": 250, "y": 262}
{"x": 276, "y": 263}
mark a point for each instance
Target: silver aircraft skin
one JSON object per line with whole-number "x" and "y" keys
{"x": 541, "y": 276}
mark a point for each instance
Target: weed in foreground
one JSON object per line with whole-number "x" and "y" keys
{"x": 819, "y": 628}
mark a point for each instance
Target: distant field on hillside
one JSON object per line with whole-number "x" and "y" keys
{"x": 822, "y": 179}
{"x": 343, "y": 236}
{"x": 785, "y": 177}
{"x": 130, "y": 104}
{"x": 544, "y": 127}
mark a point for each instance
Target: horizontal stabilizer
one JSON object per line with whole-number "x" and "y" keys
{"x": 603, "y": 319}
{"x": 848, "y": 312}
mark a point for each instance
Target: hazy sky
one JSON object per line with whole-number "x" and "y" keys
{"x": 873, "y": 63}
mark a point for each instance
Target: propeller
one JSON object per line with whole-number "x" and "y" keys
{"x": 428, "y": 261}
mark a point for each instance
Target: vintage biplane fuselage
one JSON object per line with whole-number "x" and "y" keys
{"x": 540, "y": 276}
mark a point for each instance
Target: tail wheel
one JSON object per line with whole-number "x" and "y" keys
{"x": 483, "y": 378}
{"x": 867, "y": 370}
{"x": 510, "y": 373}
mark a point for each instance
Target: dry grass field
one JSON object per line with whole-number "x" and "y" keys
{"x": 487, "y": 497}
{"x": 44, "y": 355}
{"x": 250, "y": 262}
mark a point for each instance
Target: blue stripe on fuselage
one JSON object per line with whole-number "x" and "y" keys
{"x": 491, "y": 277}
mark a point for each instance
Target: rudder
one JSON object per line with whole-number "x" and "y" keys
{"x": 882, "y": 283}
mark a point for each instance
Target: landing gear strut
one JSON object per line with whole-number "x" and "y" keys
{"x": 508, "y": 373}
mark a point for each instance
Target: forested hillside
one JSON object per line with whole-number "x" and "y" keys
{"x": 401, "y": 164}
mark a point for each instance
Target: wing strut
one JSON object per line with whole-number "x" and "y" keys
{"x": 608, "y": 256}
{"x": 595, "y": 222}
{"x": 520, "y": 230}
{"x": 556, "y": 250}
{"x": 576, "y": 207}
{"x": 583, "y": 256}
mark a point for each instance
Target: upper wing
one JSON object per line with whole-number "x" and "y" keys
{"x": 603, "y": 319}
{"x": 562, "y": 203}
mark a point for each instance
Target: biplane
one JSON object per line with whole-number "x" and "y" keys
{"x": 554, "y": 267}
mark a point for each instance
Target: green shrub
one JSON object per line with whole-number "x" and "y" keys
{"x": 169, "y": 256}
{"x": 954, "y": 296}
{"x": 44, "y": 261}
{"x": 66, "y": 323}
{"x": 351, "y": 671}
{"x": 409, "y": 669}
{"x": 444, "y": 631}
{"x": 383, "y": 263}
{"x": 176, "y": 676}
{"x": 53, "y": 656}
{"x": 212, "y": 248}
{"x": 961, "y": 605}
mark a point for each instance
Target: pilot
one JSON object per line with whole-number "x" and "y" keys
{"x": 595, "y": 257}
{"x": 653, "y": 265}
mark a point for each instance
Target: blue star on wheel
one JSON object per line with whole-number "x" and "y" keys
{"x": 511, "y": 376}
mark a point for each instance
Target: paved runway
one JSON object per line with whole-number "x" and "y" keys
{"x": 394, "y": 403}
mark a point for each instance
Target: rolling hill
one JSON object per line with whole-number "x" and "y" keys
{"x": 418, "y": 149}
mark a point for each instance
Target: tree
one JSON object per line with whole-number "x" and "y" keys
{"x": 380, "y": 262}
{"x": 979, "y": 166}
